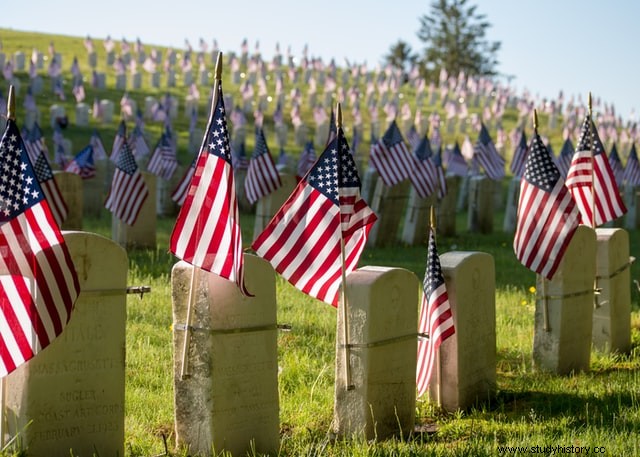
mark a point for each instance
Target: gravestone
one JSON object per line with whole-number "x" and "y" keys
{"x": 136, "y": 81}
{"x": 93, "y": 59}
{"x": 369, "y": 184}
{"x": 31, "y": 117}
{"x": 142, "y": 233}
{"x": 389, "y": 205}
{"x": 612, "y": 311}
{"x": 379, "y": 398}
{"x": 149, "y": 103}
{"x": 269, "y": 205}
{"x": 228, "y": 399}
{"x": 71, "y": 396}
{"x": 106, "y": 109}
{"x": 447, "y": 212}
{"x": 101, "y": 80}
{"x": 56, "y": 112}
{"x": 468, "y": 357}
{"x": 416, "y": 218}
{"x": 463, "y": 195}
{"x": 204, "y": 77}
{"x": 165, "y": 206}
{"x": 3, "y": 59}
{"x": 187, "y": 78}
{"x": 171, "y": 78}
{"x": 155, "y": 79}
{"x": 631, "y": 199}
{"x": 37, "y": 85}
{"x": 121, "y": 82}
{"x": 511, "y": 209}
{"x": 82, "y": 114}
{"x": 111, "y": 58}
{"x": 94, "y": 190}
{"x": 480, "y": 215}
{"x": 70, "y": 185}
{"x": 563, "y": 327}
{"x": 18, "y": 59}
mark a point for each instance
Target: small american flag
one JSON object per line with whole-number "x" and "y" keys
{"x": 82, "y": 164}
{"x": 99, "y": 153}
{"x": 207, "y": 231}
{"x": 616, "y": 165}
{"x": 38, "y": 282}
{"x": 441, "y": 181}
{"x": 487, "y": 155}
{"x": 128, "y": 189}
{"x": 423, "y": 174}
{"x": 547, "y": 214}
{"x": 590, "y": 174}
{"x": 302, "y": 241}
{"x": 163, "y": 162}
{"x": 563, "y": 161}
{"x": 519, "y": 156}
{"x": 262, "y": 175}
{"x": 44, "y": 175}
{"x": 632, "y": 170}
{"x": 307, "y": 159}
{"x": 390, "y": 156}
{"x": 139, "y": 147}
{"x": 118, "y": 140}
{"x": 436, "y": 320}
{"x": 180, "y": 192}
{"x": 455, "y": 161}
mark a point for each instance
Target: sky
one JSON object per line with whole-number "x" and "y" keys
{"x": 547, "y": 45}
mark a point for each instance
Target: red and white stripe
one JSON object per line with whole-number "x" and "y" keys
{"x": 57, "y": 205}
{"x": 392, "y": 163}
{"x": 181, "y": 190}
{"x": 127, "y": 195}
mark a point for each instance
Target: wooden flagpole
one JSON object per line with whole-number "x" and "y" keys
{"x": 343, "y": 288}
{"x": 545, "y": 302}
{"x": 184, "y": 369}
{"x": 593, "y": 191}
{"x": 432, "y": 223}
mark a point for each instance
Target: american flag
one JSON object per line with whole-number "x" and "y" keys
{"x": 262, "y": 175}
{"x": 563, "y": 160}
{"x": 390, "y": 156}
{"x": 423, "y": 174}
{"x": 38, "y": 281}
{"x": 455, "y": 161}
{"x": 441, "y": 182}
{"x": 44, "y": 175}
{"x": 590, "y": 174}
{"x": 118, "y": 141}
{"x": 413, "y": 137}
{"x": 128, "y": 189}
{"x": 239, "y": 159}
{"x": 82, "y": 164}
{"x": 99, "y": 153}
{"x": 487, "y": 155}
{"x": 207, "y": 231}
{"x": 163, "y": 161}
{"x": 436, "y": 320}
{"x": 180, "y": 192}
{"x": 632, "y": 170}
{"x": 547, "y": 214}
{"x": 302, "y": 241}
{"x": 519, "y": 156}
{"x": 307, "y": 159}
{"x": 616, "y": 165}
{"x": 139, "y": 147}
{"x": 332, "y": 128}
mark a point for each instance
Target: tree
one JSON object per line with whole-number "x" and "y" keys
{"x": 455, "y": 38}
{"x": 401, "y": 56}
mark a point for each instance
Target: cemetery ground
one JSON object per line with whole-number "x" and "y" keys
{"x": 599, "y": 408}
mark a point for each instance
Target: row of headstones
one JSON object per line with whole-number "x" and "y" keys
{"x": 19, "y": 60}
{"x": 72, "y": 396}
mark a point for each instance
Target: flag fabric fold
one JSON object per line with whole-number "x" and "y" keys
{"x": 487, "y": 156}
{"x": 303, "y": 239}
{"x": 423, "y": 175}
{"x": 38, "y": 282}
{"x": 519, "y": 156}
{"x": 390, "y": 156}
{"x": 262, "y": 175}
{"x": 83, "y": 164}
{"x": 632, "y": 169}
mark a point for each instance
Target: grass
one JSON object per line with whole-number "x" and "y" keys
{"x": 598, "y": 408}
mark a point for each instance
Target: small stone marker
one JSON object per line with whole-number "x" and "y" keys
{"x": 631, "y": 199}
{"x": 480, "y": 215}
{"x": 136, "y": 81}
{"x": 70, "y": 397}
{"x": 388, "y": 203}
{"x": 18, "y": 59}
{"x": 82, "y": 114}
{"x": 612, "y": 312}
{"x": 229, "y": 400}
{"x": 106, "y": 108}
{"x": 382, "y": 316}
{"x": 468, "y": 357}
{"x": 416, "y": 218}
{"x": 155, "y": 79}
{"x": 121, "y": 82}
{"x": 94, "y": 190}
{"x": 143, "y": 233}
{"x": 447, "y": 213}
{"x": 70, "y": 185}
{"x": 268, "y": 206}
{"x": 511, "y": 208}
{"x": 562, "y": 341}
{"x": 56, "y": 112}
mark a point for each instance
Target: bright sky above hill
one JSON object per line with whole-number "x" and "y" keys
{"x": 547, "y": 45}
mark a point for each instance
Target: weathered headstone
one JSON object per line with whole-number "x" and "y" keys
{"x": 149, "y": 103}
{"x": 165, "y": 206}
{"x": 82, "y": 114}
{"x": 267, "y": 206}
{"x": 18, "y": 59}
{"x": 106, "y": 109}
{"x": 71, "y": 396}
{"x": 93, "y": 59}
{"x": 379, "y": 398}
{"x": 70, "y": 185}
{"x": 564, "y": 309}
{"x": 480, "y": 215}
{"x": 142, "y": 234}
{"x": 101, "y": 80}
{"x": 416, "y": 218}
{"x": 171, "y": 78}
{"x": 468, "y": 357}
{"x": 111, "y": 58}
{"x": 463, "y": 195}
{"x": 632, "y": 198}
{"x": 612, "y": 312}
{"x": 447, "y": 213}
{"x": 94, "y": 190}
{"x": 121, "y": 82}
{"x": 155, "y": 79}
{"x": 229, "y": 398}
{"x": 136, "y": 81}
{"x": 389, "y": 204}
{"x": 56, "y": 112}
{"x": 511, "y": 209}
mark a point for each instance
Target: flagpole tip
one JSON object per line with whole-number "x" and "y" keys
{"x": 219, "y": 66}
{"x": 590, "y": 104}
{"x": 339, "y": 115}
{"x": 11, "y": 104}
{"x": 432, "y": 218}
{"x": 535, "y": 119}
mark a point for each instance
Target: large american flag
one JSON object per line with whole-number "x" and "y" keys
{"x": 82, "y": 164}
{"x": 207, "y": 230}
{"x": 436, "y": 320}
{"x": 302, "y": 241}
{"x": 423, "y": 174}
{"x": 519, "y": 156}
{"x": 38, "y": 281}
{"x": 128, "y": 189}
{"x": 180, "y": 192}
{"x": 262, "y": 174}
{"x": 163, "y": 161}
{"x": 487, "y": 156}
{"x": 390, "y": 156}
{"x": 590, "y": 174}
{"x": 632, "y": 170}
{"x": 563, "y": 161}
{"x": 547, "y": 214}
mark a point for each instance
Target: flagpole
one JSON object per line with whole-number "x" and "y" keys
{"x": 11, "y": 116}
{"x": 343, "y": 268}
{"x": 432, "y": 223}
{"x": 593, "y": 190}
{"x": 545, "y": 302}
{"x": 184, "y": 369}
